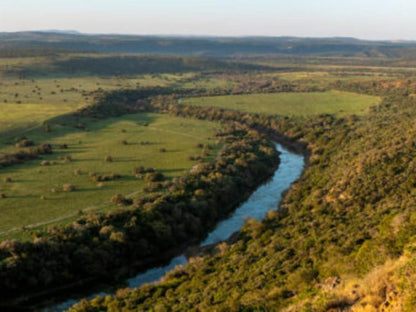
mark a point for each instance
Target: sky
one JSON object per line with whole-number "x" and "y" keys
{"x": 365, "y": 19}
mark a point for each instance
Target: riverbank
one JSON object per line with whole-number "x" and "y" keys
{"x": 32, "y": 298}
{"x": 265, "y": 198}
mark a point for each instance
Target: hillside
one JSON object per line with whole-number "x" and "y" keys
{"x": 32, "y": 43}
{"x": 341, "y": 241}
{"x": 112, "y": 163}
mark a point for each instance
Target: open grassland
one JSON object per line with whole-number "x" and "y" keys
{"x": 27, "y": 103}
{"x": 76, "y": 89}
{"x": 18, "y": 118}
{"x": 208, "y": 83}
{"x": 32, "y": 90}
{"x": 292, "y": 104}
{"x": 328, "y": 77}
{"x": 150, "y": 140}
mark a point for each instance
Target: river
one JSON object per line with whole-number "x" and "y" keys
{"x": 265, "y": 198}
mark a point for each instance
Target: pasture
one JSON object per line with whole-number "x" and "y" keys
{"x": 28, "y": 102}
{"x": 292, "y": 104}
{"x": 35, "y": 193}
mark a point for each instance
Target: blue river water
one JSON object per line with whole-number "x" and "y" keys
{"x": 266, "y": 197}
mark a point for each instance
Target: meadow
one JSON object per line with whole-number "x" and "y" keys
{"x": 33, "y": 90}
{"x": 35, "y": 194}
{"x": 36, "y": 91}
{"x": 28, "y": 102}
{"x": 326, "y": 247}
{"x": 292, "y": 104}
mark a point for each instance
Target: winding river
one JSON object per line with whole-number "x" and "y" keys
{"x": 265, "y": 198}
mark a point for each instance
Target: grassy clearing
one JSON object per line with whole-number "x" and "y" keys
{"x": 145, "y": 134}
{"x": 26, "y": 102}
{"x": 328, "y": 77}
{"x": 209, "y": 83}
{"x": 32, "y": 90}
{"x": 15, "y": 117}
{"x": 290, "y": 104}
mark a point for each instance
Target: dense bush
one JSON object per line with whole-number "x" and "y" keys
{"x": 24, "y": 155}
{"x": 96, "y": 245}
{"x": 352, "y": 209}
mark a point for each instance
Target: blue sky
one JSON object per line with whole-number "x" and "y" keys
{"x": 369, "y": 19}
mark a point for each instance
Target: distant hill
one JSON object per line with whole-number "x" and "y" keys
{"x": 60, "y": 31}
{"x": 52, "y": 41}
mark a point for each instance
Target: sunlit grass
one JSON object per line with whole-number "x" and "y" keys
{"x": 131, "y": 141}
{"x": 291, "y": 104}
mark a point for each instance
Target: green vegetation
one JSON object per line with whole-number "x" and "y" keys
{"x": 131, "y": 141}
{"x": 148, "y": 127}
{"x": 33, "y": 90}
{"x": 292, "y": 104}
{"x": 351, "y": 210}
{"x": 181, "y": 211}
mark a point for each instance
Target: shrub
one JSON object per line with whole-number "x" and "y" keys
{"x": 108, "y": 159}
{"x": 154, "y": 177}
{"x": 106, "y": 230}
{"x": 110, "y": 177}
{"x": 68, "y": 187}
{"x": 118, "y": 236}
{"x": 162, "y": 150}
{"x": 67, "y": 158}
{"x": 25, "y": 143}
{"x": 167, "y": 184}
{"x": 120, "y": 200}
{"x": 200, "y": 193}
{"x": 41, "y": 149}
{"x": 139, "y": 169}
{"x": 194, "y": 158}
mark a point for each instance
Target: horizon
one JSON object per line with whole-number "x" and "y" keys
{"x": 366, "y": 20}
{"x": 78, "y": 32}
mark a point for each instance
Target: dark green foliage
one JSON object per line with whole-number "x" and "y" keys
{"x": 51, "y": 44}
{"x": 352, "y": 209}
{"x": 120, "y": 200}
{"x": 24, "y": 143}
{"x": 154, "y": 177}
{"x": 96, "y": 245}
{"x": 24, "y": 155}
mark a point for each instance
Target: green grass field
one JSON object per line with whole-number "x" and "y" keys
{"x": 145, "y": 134}
{"x": 292, "y": 104}
{"x": 26, "y": 103}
